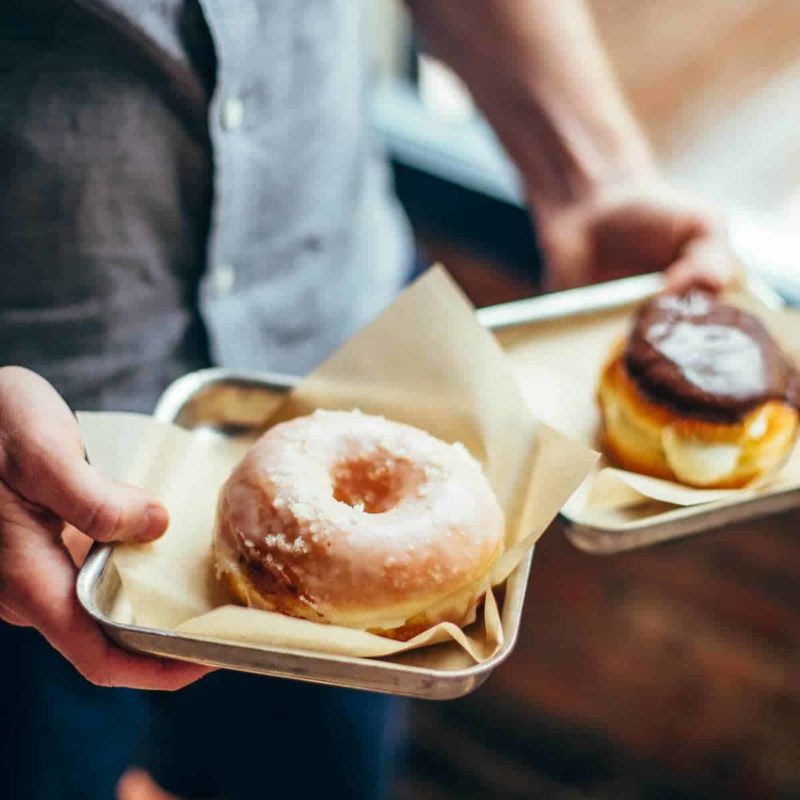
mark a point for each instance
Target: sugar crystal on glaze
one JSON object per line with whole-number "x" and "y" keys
{"x": 385, "y": 547}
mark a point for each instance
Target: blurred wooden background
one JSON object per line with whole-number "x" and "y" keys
{"x": 716, "y": 84}
{"x": 672, "y": 672}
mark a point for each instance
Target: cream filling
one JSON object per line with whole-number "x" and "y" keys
{"x": 757, "y": 426}
{"x": 699, "y": 462}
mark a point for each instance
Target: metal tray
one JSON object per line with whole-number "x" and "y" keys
{"x": 228, "y": 403}
{"x": 657, "y": 522}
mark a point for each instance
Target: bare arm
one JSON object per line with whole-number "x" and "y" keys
{"x": 538, "y": 71}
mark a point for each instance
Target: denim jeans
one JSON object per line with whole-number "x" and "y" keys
{"x": 230, "y": 736}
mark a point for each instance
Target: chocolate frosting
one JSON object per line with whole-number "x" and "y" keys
{"x": 706, "y": 359}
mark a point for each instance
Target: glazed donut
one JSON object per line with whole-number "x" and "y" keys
{"x": 699, "y": 393}
{"x": 354, "y": 520}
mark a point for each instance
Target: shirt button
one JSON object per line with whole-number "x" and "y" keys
{"x": 223, "y": 278}
{"x": 232, "y": 113}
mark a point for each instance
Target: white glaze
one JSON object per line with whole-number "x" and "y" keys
{"x": 357, "y": 568}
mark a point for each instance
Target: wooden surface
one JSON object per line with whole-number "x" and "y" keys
{"x": 672, "y": 672}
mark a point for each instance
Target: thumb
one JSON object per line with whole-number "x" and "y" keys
{"x": 67, "y": 486}
{"x": 41, "y": 459}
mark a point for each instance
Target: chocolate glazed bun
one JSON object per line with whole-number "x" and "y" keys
{"x": 699, "y": 393}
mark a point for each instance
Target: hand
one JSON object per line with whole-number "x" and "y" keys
{"x": 136, "y": 784}
{"x": 630, "y": 230}
{"x": 46, "y": 483}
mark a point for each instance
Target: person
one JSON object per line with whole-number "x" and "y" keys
{"x": 192, "y": 182}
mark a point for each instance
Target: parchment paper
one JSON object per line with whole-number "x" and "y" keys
{"x": 564, "y": 358}
{"x": 425, "y": 361}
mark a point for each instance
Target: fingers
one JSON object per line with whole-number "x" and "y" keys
{"x": 53, "y": 608}
{"x": 705, "y": 263}
{"x": 136, "y": 784}
{"x": 42, "y": 471}
{"x": 41, "y": 459}
{"x": 7, "y": 614}
{"x": 688, "y": 274}
{"x": 44, "y": 482}
{"x": 37, "y": 587}
{"x": 705, "y": 259}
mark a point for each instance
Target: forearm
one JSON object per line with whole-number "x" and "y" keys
{"x": 537, "y": 70}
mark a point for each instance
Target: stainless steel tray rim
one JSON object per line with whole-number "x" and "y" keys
{"x": 174, "y": 396}
{"x": 708, "y": 508}
{"x": 97, "y": 561}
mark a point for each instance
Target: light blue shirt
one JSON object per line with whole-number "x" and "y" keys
{"x": 189, "y": 182}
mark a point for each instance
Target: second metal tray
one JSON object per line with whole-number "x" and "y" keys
{"x": 653, "y": 523}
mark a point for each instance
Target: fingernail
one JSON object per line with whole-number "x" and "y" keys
{"x": 154, "y": 522}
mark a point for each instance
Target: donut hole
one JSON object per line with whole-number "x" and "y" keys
{"x": 374, "y": 484}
